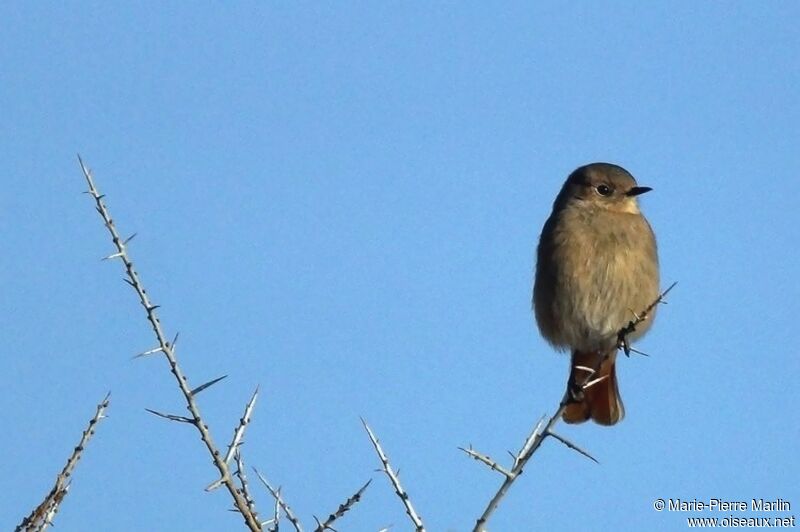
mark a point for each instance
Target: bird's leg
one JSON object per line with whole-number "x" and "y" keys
{"x": 622, "y": 341}
{"x": 575, "y": 392}
{"x": 575, "y": 386}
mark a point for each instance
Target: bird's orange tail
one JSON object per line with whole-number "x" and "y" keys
{"x": 601, "y": 401}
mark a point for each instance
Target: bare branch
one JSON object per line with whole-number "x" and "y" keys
{"x": 622, "y": 335}
{"x": 544, "y": 429}
{"x": 42, "y": 516}
{"x": 532, "y": 443}
{"x": 487, "y": 460}
{"x": 398, "y": 488}
{"x": 276, "y": 518}
{"x": 528, "y": 447}
{"x": 150, "y": 309}
{"x": 343, "y": 509}
{"x": 238, "y": 433}
{"x": 285, "y": 507}
{"x": 240, "y": 474}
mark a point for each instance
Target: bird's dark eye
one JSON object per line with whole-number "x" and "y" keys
{"x": 604, "y": 190}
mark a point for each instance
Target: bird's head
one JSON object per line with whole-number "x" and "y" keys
{"x": 604, "y": 186}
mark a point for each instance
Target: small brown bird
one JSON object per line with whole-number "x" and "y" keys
{"x": 596, "y": 268}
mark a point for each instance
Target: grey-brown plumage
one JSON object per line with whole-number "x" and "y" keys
{"x": 596, "y": 266}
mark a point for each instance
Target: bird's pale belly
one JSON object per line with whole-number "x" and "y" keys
{"x": 597, "y": 299}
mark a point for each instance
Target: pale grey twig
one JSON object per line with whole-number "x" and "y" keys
{"x": 393, "y": 478}
{"x": 276, "y": 518}
{"x": 167, "y": 348}
{"x": 341, "y": 510}
{"x": 544, "y": 429}
{"x": 285, "y": 507}
{"x": 245, "y": 486}
{"x": 42, "y": 516}
{"x": 480, "y": 457}
{"x": 622, "y": 335}
{"x": 238, "y": 434}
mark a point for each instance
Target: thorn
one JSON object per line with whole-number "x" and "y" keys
{"x": 665, "y": 292}
{"x": 572, "y": 446}
{"x": 642, "y": 353}
{"x": 487, "y": 461}
{"x": 214, "y": 485}
{"x": 591, "y": 383}
{"x": 113, "y": 256}
{"x": 172, "y": 417}
{"x": 150, "y": 352}
{"x": 124, "y": 242}
{"x": 586, "y": 369}
{"x": 206, "y": 385}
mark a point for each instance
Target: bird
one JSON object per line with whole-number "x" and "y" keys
{"x": 596, "y": 268}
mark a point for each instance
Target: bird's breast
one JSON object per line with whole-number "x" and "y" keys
{"x": 605, "y": 270}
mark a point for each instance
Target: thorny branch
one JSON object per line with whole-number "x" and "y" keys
{"x": 275, "y": 522}
{"x": 238, "y": 434}
{"x": 276, "y": 518}
{"x": 42, "y": 516}
{"x": 276, "y": 493}
{"x": 622, "y": 336}
{"x": 393, "y": 478}
{"x": 245, "y": 486}
{"x": 543, "y": 428}
{"x": 341, "y": 510}
{"x": 168, "y": 349}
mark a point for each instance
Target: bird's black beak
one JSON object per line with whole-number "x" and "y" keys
{"x": 635, "y": 191}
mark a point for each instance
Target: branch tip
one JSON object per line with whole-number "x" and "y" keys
{"x": 393, "y": 478}
{"x": 132, "y": 278}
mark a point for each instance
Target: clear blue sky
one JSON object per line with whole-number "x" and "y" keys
{"x": 341, "y": 204}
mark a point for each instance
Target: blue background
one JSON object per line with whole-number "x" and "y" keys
{"x": 341, "y": 202}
